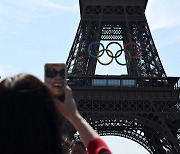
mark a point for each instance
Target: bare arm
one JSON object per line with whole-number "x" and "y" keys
{"x": 69, "y": 110}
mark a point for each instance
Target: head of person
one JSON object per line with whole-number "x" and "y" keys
{"x": 55, "y": 78}
{"x": 66, "y": 143}
{"x": 29, "y": 122}
{"x": 77, "y": 147}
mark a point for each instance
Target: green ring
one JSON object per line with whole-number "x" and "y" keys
{"x": 129, "y": 59}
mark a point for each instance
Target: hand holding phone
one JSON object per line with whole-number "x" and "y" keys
{"x": 55, "y": 79}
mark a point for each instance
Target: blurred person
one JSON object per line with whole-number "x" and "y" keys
{"x": 30, "y": 119}
{"x": 29, "y": 123}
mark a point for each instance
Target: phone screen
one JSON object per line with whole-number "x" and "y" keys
{"x": 55, "y": 79}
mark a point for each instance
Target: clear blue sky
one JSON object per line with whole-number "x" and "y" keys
{"x": 33, "y": 32}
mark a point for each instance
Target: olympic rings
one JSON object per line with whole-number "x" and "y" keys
{"x": 138, "y": 47}
{"x": 127, "y": 52}
{"x": 89, "y": 49}
{"x": 107, "y": 50}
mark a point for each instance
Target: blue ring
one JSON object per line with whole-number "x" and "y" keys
{"x": 89, "y": 49}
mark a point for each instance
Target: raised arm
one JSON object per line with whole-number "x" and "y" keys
{"x": 69, "y": 110}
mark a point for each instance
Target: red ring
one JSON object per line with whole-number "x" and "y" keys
{"x": 137, "y": 54}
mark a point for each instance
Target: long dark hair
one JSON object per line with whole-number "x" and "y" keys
{"x": 29, "y": 123}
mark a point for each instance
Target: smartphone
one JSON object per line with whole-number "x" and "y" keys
{"x": 55, "y": 75}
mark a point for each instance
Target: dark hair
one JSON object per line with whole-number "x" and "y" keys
{"x": 29, "y": 122}
{"x": 78, "y": 141}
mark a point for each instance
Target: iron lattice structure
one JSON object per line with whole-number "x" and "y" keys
{"x": 115, "y": 20}
{"x": 143, "y": 106}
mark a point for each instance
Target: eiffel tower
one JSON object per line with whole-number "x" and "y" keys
{"x": 143, "y": 105}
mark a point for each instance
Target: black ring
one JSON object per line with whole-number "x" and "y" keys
{"x": 116, "y": 56}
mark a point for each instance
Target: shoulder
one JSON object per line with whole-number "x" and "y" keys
{"x": 98, "y": 146}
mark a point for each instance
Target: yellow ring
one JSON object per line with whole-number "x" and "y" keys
{"x": 97, "y": 56}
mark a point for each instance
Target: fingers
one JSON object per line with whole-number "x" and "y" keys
{"x": 67, "y": 108}
{"x": 68, "y": 91}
